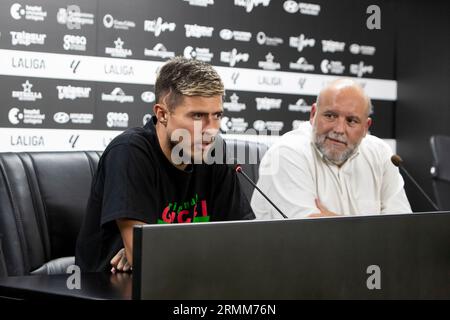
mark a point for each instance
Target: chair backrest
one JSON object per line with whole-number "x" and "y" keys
{"x": 43, "y": 196}
{"x": 440, "y": 171}
{"x": 3, "y": 272}
{"x": 248, "y": 155}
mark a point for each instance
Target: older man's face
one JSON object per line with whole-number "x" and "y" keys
{"x": 339, "y": 123}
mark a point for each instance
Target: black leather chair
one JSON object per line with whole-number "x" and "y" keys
{"x": 440, "y": 171}
{"x": 3, "y": 272}
{"x": 43, "y": 196}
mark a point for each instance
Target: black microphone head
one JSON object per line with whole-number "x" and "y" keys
{"x": 396, "y": 160}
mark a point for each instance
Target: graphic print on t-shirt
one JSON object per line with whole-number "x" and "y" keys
{"x": 193, "y": 210}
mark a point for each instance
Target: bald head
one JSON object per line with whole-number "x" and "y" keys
{"x": 340, "y": 119}
{"x": 344, "y": 87}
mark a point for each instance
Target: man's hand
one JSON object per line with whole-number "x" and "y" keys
{"x": 120, "y": 263}
{"x": 125, "y": 256}
{"x": 324, "y": 212}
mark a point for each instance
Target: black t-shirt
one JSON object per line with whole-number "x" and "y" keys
{"x": 135, "y": 180}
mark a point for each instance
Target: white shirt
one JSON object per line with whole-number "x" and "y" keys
{"x": 293, "y": 173}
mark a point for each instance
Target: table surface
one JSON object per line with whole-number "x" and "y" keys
{"x": 96, "y": 286}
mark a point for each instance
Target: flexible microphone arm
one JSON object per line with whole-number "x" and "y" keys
{"x": 398, "y": 162}
{"x": 238, "y": 169}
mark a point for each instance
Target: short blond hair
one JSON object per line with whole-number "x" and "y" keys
{"x": 180, "y": 77}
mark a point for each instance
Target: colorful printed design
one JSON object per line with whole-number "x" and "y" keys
{"x": 185, "y": 212}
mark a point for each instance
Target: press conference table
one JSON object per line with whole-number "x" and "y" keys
{"x": 94, "y": 286}
{"x": 285, "y": 259}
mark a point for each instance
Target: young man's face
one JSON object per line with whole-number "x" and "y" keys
{"x": 339, "y": 124}
{"x": 194, "y": 123}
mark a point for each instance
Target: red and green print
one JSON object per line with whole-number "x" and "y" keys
{"x": 194, "y": 210}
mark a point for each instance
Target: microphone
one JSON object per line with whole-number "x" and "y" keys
{"x": 398, "y": 162}
{"x": 238, "y": 169}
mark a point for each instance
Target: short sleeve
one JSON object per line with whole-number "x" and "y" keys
{"x": 129, "y": 185}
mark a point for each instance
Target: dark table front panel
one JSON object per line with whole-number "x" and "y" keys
{"x": 97, "y": 286}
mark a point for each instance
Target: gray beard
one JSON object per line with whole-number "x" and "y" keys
{"x": 334, "y": 157}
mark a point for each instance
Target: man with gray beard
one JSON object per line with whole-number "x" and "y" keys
{"x": 330, "y": 166}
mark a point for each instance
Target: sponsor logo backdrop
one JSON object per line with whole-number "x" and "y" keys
{"x": 73, "y": 74}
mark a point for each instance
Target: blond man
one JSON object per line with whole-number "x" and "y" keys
{"x": 144, "y": 176}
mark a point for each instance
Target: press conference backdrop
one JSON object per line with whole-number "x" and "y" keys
{"x": 73, "y": 74}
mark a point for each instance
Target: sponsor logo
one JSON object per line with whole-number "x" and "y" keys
{"x": 269, "y": 64}
{"x": 262, "y": 39}
{"x": 72, "y": 93}
{"x": 27, "y": 63}
{"x": 117, "y": 95}
{"x": 74, "y": 65}
{"x": 235, "y": 76}
{"x": 61, "y": 117}
{"x": 107, "y": 140}
{"x": 118, "y": 69}
{"x": 261, "y": 125}
{"x": 335, "y": 67}
{"x": 302, "y": 65}
{"x": 159, "y": 51}
{"x": 158, "y": 26}
{"x": 26, "y": 116}
{"x": 117, "y": 120}
{"x": 311, "y": 9}
{"x": 360, "y": 49}
{"x": 200, "y": 3}
{"x": 146, "y": 118}
{"x": 77, "y": 43}
{"x": 269, "y": 81}
{"x": 250, "y": 4}
{"x": 27, "y": 141}
{"x": 110, "y": 22}
{"x": 232, "y": 57}
{"x": 196, "y": 31}
{"x": 148, "y": 96}
{"x": 73, "y": 18}
{"x": 301, "y": 82}
{"x": 268, "y": 103}
{"x": 118, "y": 51}
{"x": 73, "y": 140}
{"x": 26, "y": 94}
{"x": 234, "y": 105}
{"x": 77, "y": 118}
{"x": 202, "y": 54}
{"x": 301, "y": 42}
{"x": 233, "y": 124}
{"x": 360, "y": 69}
{"x": 300, "y": 106}
{"x": 227, "y": 34}
{"x": 25, "y": 38}
{"x": 28, "y": 12}
{"x": 332, "y": 46}
{"x": 296, "y": 123}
